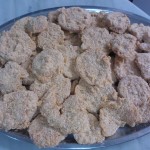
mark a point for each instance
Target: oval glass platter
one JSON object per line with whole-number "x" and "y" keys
{"x": 123, "y": 134}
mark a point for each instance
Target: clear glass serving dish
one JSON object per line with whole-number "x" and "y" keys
{"x": 123, "y": 134}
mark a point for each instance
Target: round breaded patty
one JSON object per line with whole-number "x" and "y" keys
{"x": 124, "y": 45}
{"x": 14, "y": 47}
{"x": 58, "y": 84}
{"x": 117, "y": 22}
{"x": 74, "y": 19}
{"x": 70, "y": 53}
{"x": 37, "y": 24}
{"x": 135, "y": 89}
{"x": 11, "y": 77}
{"x": 21, "y": 23}
{"x": 138, "y": 30}
{"x": 96, "y": 38}
{"x": 47, "y": 64}
{"x": 124, "y": 67}
{"x": 68, "y": 117}
{"x": 93, "y": 66}
{"x": 116, "y": 114}
{"x": 42, "y": 134}
{"x": 93, "y": 97}
{"x": 51, "y": 37}
{"x": 143, "y": 62}
{"x": 19, "y": 108}
{"x": 92, "y": 134}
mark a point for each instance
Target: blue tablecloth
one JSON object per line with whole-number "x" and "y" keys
{"x": 10, "y": 9}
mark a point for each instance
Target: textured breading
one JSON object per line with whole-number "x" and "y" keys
{"x": 144, "y": 46}
{"x": 136, "y": 92}
{"x": 74, "y": 114}
{"x": 124, "y": 45}
{"x": 93, "y": 97}
{"x": 40, "y": 88}
{"x": 27, "y": 65}
{"x": 98, "y": 19}
{"x": 51, "y": 37}
{"x": 11, "y": 77}
{"x": 42, "y": 134}
{"x": 146, "y": 37}
{"x": 117, "y": 114}
{"x": 21, "y": 23}
{"x": 19, "y": 108}
{"x": 117, "y": 22}
{"x": 138, "y": 30}
{"x": 124, "y": 111}
{"x": 1, "y": 113}
{"x": 109, "y": 122}
{"x": 74, "y": 72}
{"x": 74, "y": 19}
{"x": 95, "y": 19}
{"x": 69, "y": 117}
{"x": 92, "y": 134}
{"x": 114, "y": 34}
{"x": 37, "y": 24}
{"x": 70, "y": 54}
{"x": 47, "y": 64}
{"x": 93, "y": 66}
{"x": 59, "y": 84}
{"x": 124, "y": 67}
{"x": 51, "y": 110}
{"x": 96, "y": 38}
{"x": 53, "y": 15}
{"x": 113, "y": 73}
{"x": 134, "y": 89}
{"x": 143, "y": 62}
{"x": 146, "y": 113}
{"x": 1, "y": 97}
{"x": 13, "y": 46}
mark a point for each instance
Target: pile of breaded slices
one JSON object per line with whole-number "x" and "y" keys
{"x": 74, "y": 72}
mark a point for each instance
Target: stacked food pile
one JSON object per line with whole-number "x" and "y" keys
{"x": 74, "y": 72}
